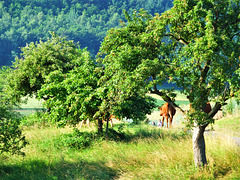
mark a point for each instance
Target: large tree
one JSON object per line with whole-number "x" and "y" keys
{"x": 195, "y": 45}
{"x": 205, "y": 35}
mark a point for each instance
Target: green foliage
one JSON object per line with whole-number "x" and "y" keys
{"x": 73, "y": 94}
{"x": 118, "y": 135}
{"x": 134, "y": 52}
{"x": 11, "y": 138}
{"x": 205, "y": 56}
{"x": 82, "y": 140}
{"x": 124, "y": 56}
{"x": 37, "y": 61}
{"x": 186, "y": 45}
{"x": 136, "y": 107}
{"x": 78, "y": 140}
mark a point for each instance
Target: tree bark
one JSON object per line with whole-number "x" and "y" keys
{"x": 107, "y": 127}
{"x": 100, "y": 124}
{"x": 199, "y": 149}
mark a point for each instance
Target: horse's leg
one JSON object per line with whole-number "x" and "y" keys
{"x": 162, "y": 121}
{"x": 171, "y": 118}
{"x": 167, "y": 120}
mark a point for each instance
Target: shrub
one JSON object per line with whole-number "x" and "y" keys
{"x": 11, "y": 138}
{"x": 116, "y": 135}
{"x": 77, "y": 139}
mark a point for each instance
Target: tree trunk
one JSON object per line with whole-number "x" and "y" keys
{"x": 107, "y": 128}
{"x": 100, "y": 124}
{"x": 199, "y": 146}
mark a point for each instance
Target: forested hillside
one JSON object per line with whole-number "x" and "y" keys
{"x": 84, "y": 21}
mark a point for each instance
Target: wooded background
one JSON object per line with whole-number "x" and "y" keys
{"x": 84, "y": 21}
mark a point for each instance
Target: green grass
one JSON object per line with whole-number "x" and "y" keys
{"x": 229, "y": 125}
{"x": 149, "y": 153}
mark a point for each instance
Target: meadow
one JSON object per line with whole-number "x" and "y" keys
{"x": 148, "y": 152}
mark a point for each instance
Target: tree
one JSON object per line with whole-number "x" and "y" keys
{"x": 80, "y": 94}
{"x": 38, "y": 60}
{"x": 206, "y": 52}
{"x": 195, "y": 45}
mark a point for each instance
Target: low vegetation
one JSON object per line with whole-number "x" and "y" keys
{"x": 145, "y": 152}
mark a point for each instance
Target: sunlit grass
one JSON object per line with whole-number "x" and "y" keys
{"x": 150, "y": 153}
{"x": 229, "y": 126}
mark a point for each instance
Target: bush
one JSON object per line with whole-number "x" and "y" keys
{"x": 78, "y": 140}
{"x": 82, "y": 140}
{"x": 11, "y": 138}
{"x": 116, "y": 135}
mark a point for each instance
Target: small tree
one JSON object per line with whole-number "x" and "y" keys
{"x": 195, "y": 45}
{"x": 11, "y": 138}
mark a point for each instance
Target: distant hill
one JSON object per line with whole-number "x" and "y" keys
{"x": 84, "y": 21}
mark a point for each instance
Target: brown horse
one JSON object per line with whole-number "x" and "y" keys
{"x": 167, "y": 111}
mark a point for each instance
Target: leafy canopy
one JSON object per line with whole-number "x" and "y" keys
{"x": 73, "y": 95}
{"x": 37, "y": 61}
{"x": 205, "y": 51}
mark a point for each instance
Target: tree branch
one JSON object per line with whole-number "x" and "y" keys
{"x": 165, "y": 98}
{"x": 181, "y": 40}
{"x": 218, "y": 105}
{"x": 205, "y": 71}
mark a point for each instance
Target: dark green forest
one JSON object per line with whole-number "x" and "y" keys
{"x": 84, "y": 21}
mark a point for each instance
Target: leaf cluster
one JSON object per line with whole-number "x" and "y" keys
{"x": 72, "y": 95}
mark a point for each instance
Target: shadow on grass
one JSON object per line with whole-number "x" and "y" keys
{"x": 39, "y": 170}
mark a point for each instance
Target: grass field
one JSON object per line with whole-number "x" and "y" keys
{"x": 151, "y": 153}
